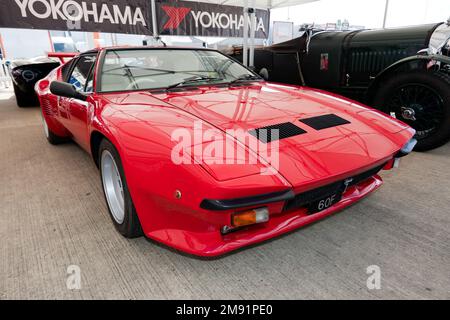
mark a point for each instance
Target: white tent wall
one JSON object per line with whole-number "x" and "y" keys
{"x": 260, "y": 4}
{"x": 423, "y": 11}
{"x": 29, "y": 43}
{"x": 25, "y": 43}
{"x": 368, "y": 13}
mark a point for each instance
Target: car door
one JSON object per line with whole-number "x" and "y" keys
{"x": 77, "y": 112}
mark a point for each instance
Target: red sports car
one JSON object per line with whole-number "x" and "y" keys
{"x": 199, "y": 153}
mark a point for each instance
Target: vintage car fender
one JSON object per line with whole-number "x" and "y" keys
{"x": 409, "y": 63}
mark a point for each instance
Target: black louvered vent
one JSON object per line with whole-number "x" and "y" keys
{"x": 47, "y": 107}
{"x": 325, "y": 121}
{"x": 276, "y": 132}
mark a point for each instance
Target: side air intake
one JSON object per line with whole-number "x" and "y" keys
{"x": 276, "y": 132}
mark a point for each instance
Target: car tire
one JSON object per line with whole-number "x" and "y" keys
{"x": 116, "y": 192}
{"x": 51, "y": 137}
{"x": 429, "y": 108}
{"x": 23, "y": 100}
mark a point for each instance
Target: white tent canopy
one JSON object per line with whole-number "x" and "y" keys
{"x": 261, "y": 4}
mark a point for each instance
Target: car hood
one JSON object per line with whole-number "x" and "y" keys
{"x": 369, "y": 139}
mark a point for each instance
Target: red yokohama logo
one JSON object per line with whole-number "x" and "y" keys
{"x": 176, "y": 15}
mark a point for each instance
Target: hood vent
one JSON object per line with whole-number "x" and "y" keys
{"x": 285, "y": 130}
{"x": 325, "y": 121}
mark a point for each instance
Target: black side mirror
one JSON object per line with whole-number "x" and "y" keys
{"x": 64, "y": 89}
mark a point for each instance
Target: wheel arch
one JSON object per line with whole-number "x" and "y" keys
{"x": 95, "y": 140}
{"x": 418, "y": 62}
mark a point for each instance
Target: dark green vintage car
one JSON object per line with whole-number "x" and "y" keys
{"x": 404, "y": 72}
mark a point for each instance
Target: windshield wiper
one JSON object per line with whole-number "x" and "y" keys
{"x": 245, "y": 77}
{"x": 157, "y": 70}
{"x": 129, "y": 67}
{"x": 192, "y": 80}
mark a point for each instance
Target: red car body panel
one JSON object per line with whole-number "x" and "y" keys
{"x": 140, "y": 123}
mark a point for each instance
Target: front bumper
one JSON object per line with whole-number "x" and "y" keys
{"x": 407, "y": 149}
{"x": 213, "y": 243}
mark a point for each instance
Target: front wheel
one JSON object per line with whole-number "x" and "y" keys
{"x": 422, "y": 100}
{"x": 117, "y": 195}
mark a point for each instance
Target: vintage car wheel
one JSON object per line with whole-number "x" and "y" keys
{"x": 51, "y": 137}
{"x": 422, "y": 100}
{"x": 115, "y": 189}
{"x": 22, "y": 99}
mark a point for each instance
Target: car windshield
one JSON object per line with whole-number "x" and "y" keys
{"x": 139, "y": 69}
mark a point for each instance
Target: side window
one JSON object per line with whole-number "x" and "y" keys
{"x": 66, "y": 69}
{"x": 81, "y": 70}
{"x": 90, "y": 82}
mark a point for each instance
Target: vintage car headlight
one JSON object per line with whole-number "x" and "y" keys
{"x": 446, "y": 49}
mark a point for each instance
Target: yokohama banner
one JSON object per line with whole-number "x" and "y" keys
{"x": 117, "y": 16}
{"x": 131, "y": 16}
{"x": 206, "y": 19}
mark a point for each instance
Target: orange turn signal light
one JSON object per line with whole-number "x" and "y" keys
{"x": 245, "y": 218}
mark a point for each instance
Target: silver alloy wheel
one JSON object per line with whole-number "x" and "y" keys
{"x": 113, "y": 187}
{"x": 45, "y": 127}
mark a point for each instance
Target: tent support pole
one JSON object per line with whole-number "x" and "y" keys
{"x": 252, "y": 34}
{"x": 386, "y": 9}
{"x": 154, "y": 20}
{"x": 245, "y": 40}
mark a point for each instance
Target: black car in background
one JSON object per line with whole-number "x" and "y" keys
{"x": 25, "y": 74}
{"x": 404, "y": 72}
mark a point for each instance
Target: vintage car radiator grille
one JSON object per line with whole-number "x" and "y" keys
{"x": 268, "y": 134}
{"x": 305, "y": 198}
{"x": 374, "y": 61}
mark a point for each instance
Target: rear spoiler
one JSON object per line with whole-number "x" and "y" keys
{"x": 62, "y": 55}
